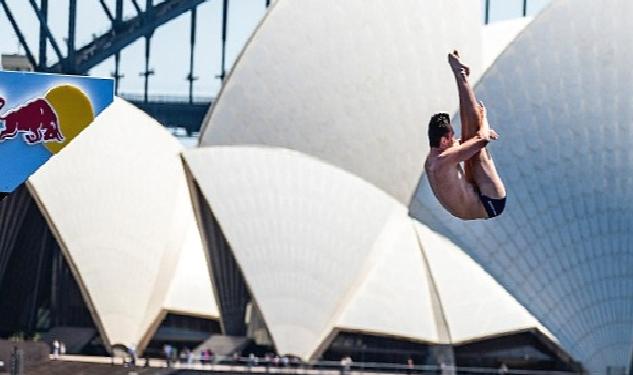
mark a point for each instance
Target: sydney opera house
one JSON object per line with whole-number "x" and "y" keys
{"x": 303, "y": 221}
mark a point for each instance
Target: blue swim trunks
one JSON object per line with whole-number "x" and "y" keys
{"x": 494, "y": 207}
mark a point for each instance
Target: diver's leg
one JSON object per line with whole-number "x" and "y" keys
{"x": 481, "y": 165}
{"x": 468, "y": 106}
{"x": 469, "y": 112}
{"x": 485, "y": 175}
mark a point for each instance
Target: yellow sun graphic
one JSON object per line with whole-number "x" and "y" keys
{"x": 74, "y": 113}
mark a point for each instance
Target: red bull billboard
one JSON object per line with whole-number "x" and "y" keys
{"x": 39, "y": 115}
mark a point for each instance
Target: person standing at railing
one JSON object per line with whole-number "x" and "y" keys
{"x": 267, "y": 359}
{"x": 132, "y": 354}
{"x": 55, "y": 349}
{"x": 346, "y": 365}
{"x": 503, "y": 369}
{"x": 189, "y": 356}
{"x": 167, "y": 350}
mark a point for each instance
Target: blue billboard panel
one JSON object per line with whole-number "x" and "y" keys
{"x": 39, "y": 115}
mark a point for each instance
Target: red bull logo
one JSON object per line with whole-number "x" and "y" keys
{"x": 36, "y": 120}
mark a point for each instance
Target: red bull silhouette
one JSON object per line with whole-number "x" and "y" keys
{"x": 36, "y": 119}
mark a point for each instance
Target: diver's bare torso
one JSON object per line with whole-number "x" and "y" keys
{"x": 451, "y": 188}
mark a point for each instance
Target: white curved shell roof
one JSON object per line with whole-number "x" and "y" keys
{"x": 321, "y": 249}
{"x": 394, "y": 297}
{"x": 562, "y": 247}
{"x": 474, "y": 304}
{"x": 352, "y": 83}
{"x": 191, "y": 291}
{"x": 300, "y": 230}
{"x": 496, "y": 37}
{"x": 117, "y": 201}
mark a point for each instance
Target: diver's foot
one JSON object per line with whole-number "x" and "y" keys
{"x": 457, "y": 66}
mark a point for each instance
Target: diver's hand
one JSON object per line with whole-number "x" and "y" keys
{"x": 493, "y": 135}
{"x": 490, "y": 135}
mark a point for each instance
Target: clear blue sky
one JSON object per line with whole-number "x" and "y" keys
{"x": 170, "y": 44}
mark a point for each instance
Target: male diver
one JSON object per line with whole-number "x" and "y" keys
{"x": 476, "y": 191}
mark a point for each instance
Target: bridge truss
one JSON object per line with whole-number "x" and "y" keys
{"x": 122, "y": 33}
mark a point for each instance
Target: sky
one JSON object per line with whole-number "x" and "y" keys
{"x": 170, "y": 44}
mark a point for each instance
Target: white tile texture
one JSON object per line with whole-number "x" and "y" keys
{"x": 560, "y": 97}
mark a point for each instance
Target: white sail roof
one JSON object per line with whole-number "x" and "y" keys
{"x": 300, "y": 230}
{"x": 352, "y": 83}
{"x": 423, "y": 287}
{"x": 395, "y": 296}
{"x": 321, "y": 251}
{"x": 190, "y": 291}
{"x": 118, "y": 204}
{"x": 474, "y": 304}
{"x": 497, "y": 36}
{"x": 559, "y": 96}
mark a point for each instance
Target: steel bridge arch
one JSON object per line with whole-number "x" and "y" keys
{"x": 122, "y": 35}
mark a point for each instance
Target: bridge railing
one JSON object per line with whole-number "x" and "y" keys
{"x": 259, "y": 366}
{"x": 167, "y": 98}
